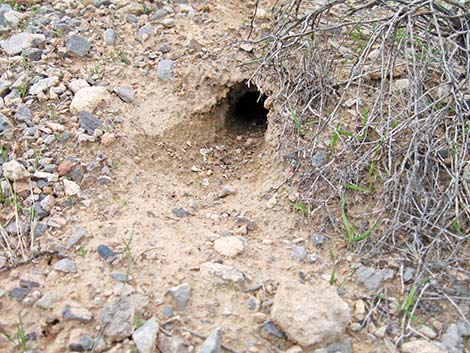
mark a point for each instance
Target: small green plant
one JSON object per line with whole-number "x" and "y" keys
{"x": 356, "y": 188}
{"x": 410, "y": 301}
{"x": 21, "y": 335}
{"x": 82, "y": 251}
{"x": 300, "y": 206}
{"x": 138, "y": 322}
{"x": 333, "y": 272}
{"x": 128, "y": 252}
{"x": 123, "y": 57}
{"x": 350, "y": 229}
{"x": 296, "y": 121}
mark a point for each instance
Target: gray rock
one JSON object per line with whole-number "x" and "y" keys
{"x": 127, "y": 94}
{"x": 180, "y": 212}
{"x": 159, "y": 14}
{"x": 226, "y": 191}
{"x": 212, "y": 344}
{"x": 109, "y": 37}
{"x": 23, "y": 114}
{"x": 40, "y": 229}
{"x": 253, "y": 303}
{"x": 373, "y": 278}
{"x": 105, "y": 252}
{"x": 181, "y": 294}
{"x": 118, "y": 319}
{"x": 272, "y": 329}
{"x": 165, "y": 69}
{"x": 19, "y": 293}
{"x": 453, "y": 339}
{"x": 89, "y": 122}
{"x": 120, "y": 277}
{"x": 172, "y": 344}
{"x": 39, "y": 212}
{"x": 131, "y": 18}
{"x": 4, "y": 124}
{"x": 85, "y": 344}
{"x": 222, "y": 274}
{"x": 78, "y": 45}
{"x": 408, "y": 274}
{"x": 29, "y": 284}
{"x": 21, "y": 41}
{"x": 245, "y": 221}
{"x": 319, "y": 158}
{"x": 165, "y": 48}
{"x": 73, "y": 313}
{"x": 4, "y": 87}
{"x": 145, "y": 32}
{"x": 33, "y": 54}
{"x": 43, "y": 85}
{"x": 167, "y": 311}
{"x": 66, "y": 266}
{"x": 47, "y": 300}
{"x": 317, "y": 239}
{"x": 145, "y": 337}
{"x": 298, "y": 253}
{"x": 77, "y": 235}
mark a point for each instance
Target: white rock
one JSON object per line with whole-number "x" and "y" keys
{"x": 71, "y": 188}
{"x": 47, "y": 203}
{"x": 423, "y": 346}
{"x": 14, "y": 171}
{"x": 77, "y": 84}
{"x": 222, "y": 274}
{"x": 88, "y": 98}
{"x": 401, "y": 84}
{"x": 21, "y": 41}
{"x": 228, "y": 246}
{"x": 145, "y": 337}
{"x": 310, "y": 314}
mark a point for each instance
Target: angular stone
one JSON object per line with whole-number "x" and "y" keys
{"x": 47, "y": 300}
{"x": 78, "y": 45}
{"x": 21, "y": 41}
{"x": 373, "y": 278}
{"x": 310, "y": 314}
{"x": 172, "y": 344}
{"x": 165, "y": 69}
{"x": 19, "y": 293}
{"x": 181, "y": 294}
{"x": 127, "y": 94}
{"x": 71, "y": 188}
{"x": 66, "y": 266}
{"x": 109, "y": 37}
{"x": 4, "y": 124}
{"x": 77, "y": 314}
{"x": 222, "y": 274}
{"x": 212, "y": 344}
{"x": 89, "y": 122}
{"x": 105, "y": 252}
{"x": 43, "y": 85}
{"x": 272, "y": 329}
{"x": 145, "y": 337}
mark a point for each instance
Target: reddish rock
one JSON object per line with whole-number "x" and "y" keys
{"x": 64, "y": 167}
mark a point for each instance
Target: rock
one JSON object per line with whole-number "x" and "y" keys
{"x": 165, "y": 69}
{"x": 172, "y": 344}
{"x": 64, "y": 167}
{"x": 453, "y": 338}
{"x": 14, "y": 171}
{"x": 78, "y": 45}
{"x": 373, "y": 278}
{"x": 88, "y": 99}
{"x": 109, "y": 37}
{"x": 180, "y": 212}
{"x": 105, "y": 252}
{"x": 165, "y": 48}
{"x": 295, "y": 349}
{"x": 75, "y": 238}
{"x": 29, "y": 284}
{"x": 272, "y": 329}
{"x": 89, "y": 122}
{"x": 422, "y": 346}
{"x": 19, "y": 42}
{"x": 145, "y": 337}
{"x": 222, "y": 274}
{"x": 427, "y": 331}
{"x": 343, "y": 346}
{"x": 127, "y": 94}
{"x": 23, "y": 114}
{"x": 253, "y": 303}
{"x": 181, "y": 294}
{"x": 159, "y": 14}
{"x": 47, "y": 300}
{"x": 317, "y": 239}
{"x": 168, "y": 22}
{"x": 408, "y": 274}
{"x": 4, "y": 87}
{"x": 241, "y": 221}
{"x": 43, "y": 85}
{"x": 310, "y": 314}
{"x": 71, "y": 188}
{"x": 83, "y": 345}
{"x": 118, "y": 318}
{"x": 19, "y": 293}
{"x": 73, "y": 313}
{"x": 4, "y": 124}
{"x": 33, "y": 54}
{"x": 145, "y": 32}
{"x": 47, "y": 203}
{"x": 298, "y": 253}
{"x": 77, "y": 84}
{"x": 228, "y": 246}
{"x": 66, "y": 266}
{"x": 226, "y": 191}
{"x": 319, "y": 158}
{"x": 212, "y": 344}
{"x": 120, "y": 277}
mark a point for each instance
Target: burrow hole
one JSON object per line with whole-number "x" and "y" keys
{"x": 245, "y": 112}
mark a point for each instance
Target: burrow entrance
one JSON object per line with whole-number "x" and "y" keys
{"x": 245, "y": 113}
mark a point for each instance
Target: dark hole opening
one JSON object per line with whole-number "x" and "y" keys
{"x": 246, "y": 111}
